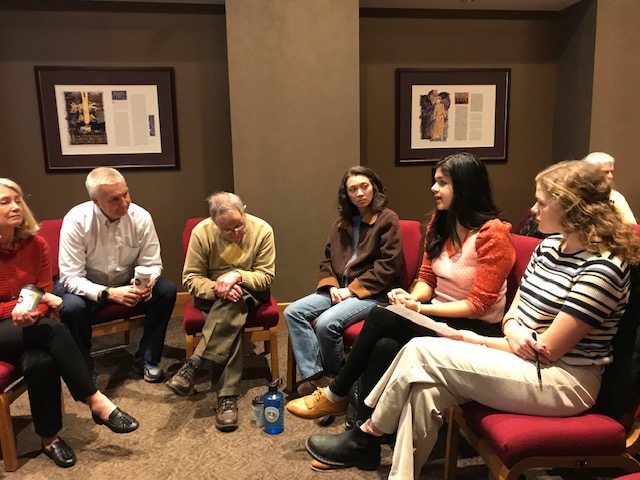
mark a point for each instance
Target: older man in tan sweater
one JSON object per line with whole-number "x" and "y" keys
{"x": 229, "y": 267}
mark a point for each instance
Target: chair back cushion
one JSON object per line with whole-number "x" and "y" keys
{"x": 411, "y": 249}
{"x": 186, "y": 233}
{"x": 50, "y": 231}
{"x": 524, "y": 247}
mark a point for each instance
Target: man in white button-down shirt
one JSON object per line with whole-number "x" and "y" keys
{"x": 101, "y": 242}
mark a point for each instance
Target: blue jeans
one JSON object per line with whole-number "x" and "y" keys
{"x": 322, "y": 350}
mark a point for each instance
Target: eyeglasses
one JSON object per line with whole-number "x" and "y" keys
{"x": 232, "y": 231}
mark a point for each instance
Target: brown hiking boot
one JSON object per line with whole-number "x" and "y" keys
{"x": 227, "y": 414}
{"x": 182, "y": 382}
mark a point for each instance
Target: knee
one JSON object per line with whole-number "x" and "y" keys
{"x": 74, "y": 306}
{"x": 328, "y": 326}
{"x": 386, "y": 348}
{"x": 38, "y": 362}
{"x": 164, "y": 290}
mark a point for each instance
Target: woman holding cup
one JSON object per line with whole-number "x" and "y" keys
{"x": 42, "y": 347}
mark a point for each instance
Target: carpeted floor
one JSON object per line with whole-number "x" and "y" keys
{"x": 177, "y": 437}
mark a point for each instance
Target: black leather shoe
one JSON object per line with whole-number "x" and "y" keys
{"x": 353, "y": 448}
{"x": 118, "y": 422}
{"x": 61, "y": 454}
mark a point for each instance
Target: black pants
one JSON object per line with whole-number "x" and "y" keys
{"x": 45, "y": 352}
{"x": 383, "y": 335}
{"x": 77, "y": 311}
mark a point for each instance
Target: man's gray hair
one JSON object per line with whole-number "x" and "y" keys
{"x": 221, "y": 203}
{"x": 101, "y": 176}
{"x": 599, "y": 157}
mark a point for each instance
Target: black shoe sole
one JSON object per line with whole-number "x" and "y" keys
{"x": 333, "y": 463}
{"x": 227, "y": 428}
{"x": 176, "y": 390}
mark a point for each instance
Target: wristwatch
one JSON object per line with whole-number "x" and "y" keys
{"x": 104, "y": 296}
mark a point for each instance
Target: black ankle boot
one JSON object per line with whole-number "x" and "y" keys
{"x": 353, "y": 448}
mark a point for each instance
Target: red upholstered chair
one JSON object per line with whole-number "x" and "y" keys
{"x": 114, "y": 318}
{"x": 12, "y": 385}
{"x": 411, "y": 248}
{"x": 261, "y": 322}
{"x": 510, "y": 443}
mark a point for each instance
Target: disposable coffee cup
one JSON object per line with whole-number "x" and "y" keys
{"x": 258, "y": 410}
{"x": 141, "y": 277}
{"x": 31, "y": 295}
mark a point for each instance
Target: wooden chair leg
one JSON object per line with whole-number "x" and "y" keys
{"x": 7, "y": 438}
{"x": 272, "y": 346}
{"x": 291, "y": 368}
{"x": 190, "y": 344}
{"x": 451, "y": 451}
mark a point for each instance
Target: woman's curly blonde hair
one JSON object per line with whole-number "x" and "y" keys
{"x": 582, "y": 194}
{"x": 29, "y": 226}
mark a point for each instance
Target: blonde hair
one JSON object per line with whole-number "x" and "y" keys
{"x": 29, "y": 226}
{"x": 582, "y": 193}
{"x": 101, "y": 176}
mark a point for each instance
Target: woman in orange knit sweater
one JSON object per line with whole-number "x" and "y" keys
{"x": 42, "y": 347}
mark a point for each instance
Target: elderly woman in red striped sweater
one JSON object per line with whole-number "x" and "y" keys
{"x": 42, "y": 347}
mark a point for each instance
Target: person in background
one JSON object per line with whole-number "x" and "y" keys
{"x": 101, "y": 241}
{"x": 42, "y": 347}
{"x": 606, "y": 163}
{"x": 229, "y": 267}
{"x": 362, "y": 261}
{"x": 461, "y": 282}
{"x": 564, "y": 316}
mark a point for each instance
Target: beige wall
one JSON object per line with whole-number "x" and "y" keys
{"x": 294, "y": 82}
{"x": 615, "y": 113}
{"x": 195, "y": 45}
{"x": 303, "y": 170}
{"x": 527, "y": 46}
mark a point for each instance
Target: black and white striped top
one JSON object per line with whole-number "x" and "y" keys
{"x": 593, "y": 288}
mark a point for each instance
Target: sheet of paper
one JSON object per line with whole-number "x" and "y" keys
{"x": 438, "y": 327}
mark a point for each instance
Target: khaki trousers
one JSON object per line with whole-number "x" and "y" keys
{"x": 222, "y": 341}
{"x": 431, "y": 374}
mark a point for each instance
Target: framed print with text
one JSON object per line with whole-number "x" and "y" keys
{"x": 114, "y": 117}
{"x": 444, "y": 111}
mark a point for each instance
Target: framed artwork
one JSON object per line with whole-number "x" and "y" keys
{"x": 113, "y": 117}
{"x": 444, "y": 111}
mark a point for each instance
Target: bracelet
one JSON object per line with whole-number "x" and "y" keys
{"x": 505, "y": 321}
{"x": 419, "y": 306}
{"x": 484, "y": 342}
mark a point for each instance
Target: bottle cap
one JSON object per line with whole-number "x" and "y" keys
{"x": 258, "y": 400}
{"x": 273, "y": 386}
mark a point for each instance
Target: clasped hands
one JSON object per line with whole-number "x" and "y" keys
{"x": 525, "y": 344}
{"x": 227, "y": 286}
{"x": 399, "y": 296}
{"x": 129, "y": 295}
{"x": 22, "y": 317}
{"x": 339, "y": 294}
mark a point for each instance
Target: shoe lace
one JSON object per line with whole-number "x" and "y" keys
{"x": 227, "y": 403}
{"x": 317, "y": 395}
{"x": 188, "y": 370}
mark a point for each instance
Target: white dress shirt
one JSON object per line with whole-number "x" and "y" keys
{"x": 96, "y": 253}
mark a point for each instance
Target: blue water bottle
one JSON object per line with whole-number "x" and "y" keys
{"x": 273, "y": 409}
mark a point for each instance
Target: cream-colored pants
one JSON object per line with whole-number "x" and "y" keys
{"x": 431, "y": 374}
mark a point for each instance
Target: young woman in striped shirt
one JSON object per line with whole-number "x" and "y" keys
{"x": 565, "y": 314}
